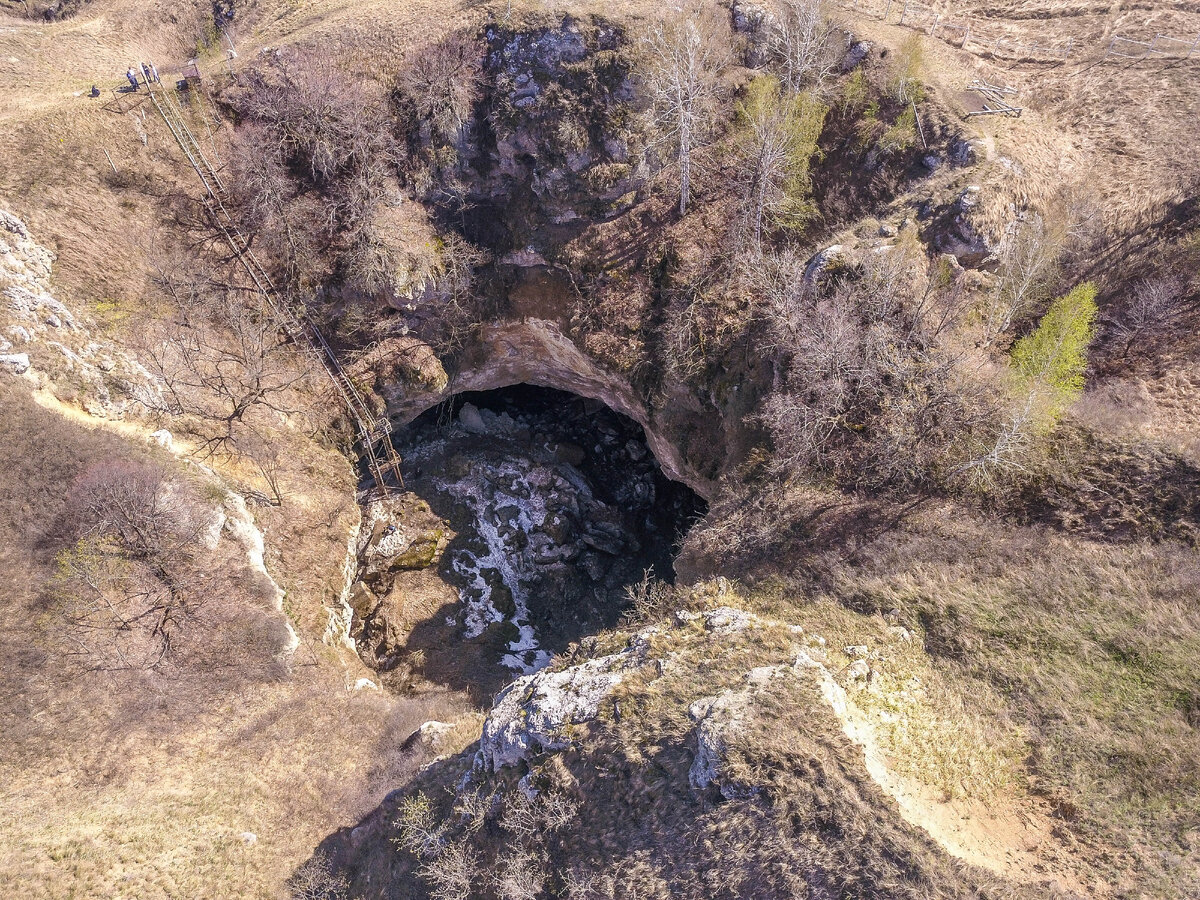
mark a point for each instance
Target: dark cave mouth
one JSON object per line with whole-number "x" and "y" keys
{"x": 558, "y": 506}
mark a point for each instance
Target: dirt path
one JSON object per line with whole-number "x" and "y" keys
{"x": 1011, "y": 836}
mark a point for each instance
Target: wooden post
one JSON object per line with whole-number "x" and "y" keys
{"x": 1069, "y": 47}
{"x": 1193, "y": 50}
{"x": 887, "y": 10}
{"x": 966, "y": 36}
{"x": 904, "y": 12}
{"x": 936, "y": 17}
{"x": 919, "y": 128}
{"x": 110, "y": 162}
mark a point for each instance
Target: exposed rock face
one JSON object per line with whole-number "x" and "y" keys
{"x": 14, "y": 363}
{"x": 717, "y": 720}
{"x": 755, "y": 22}
{"x": 537, "y": 712}
{"x": 564, "y": 97}
{"x": 399, "y": 538}
{"x": 954, "y": 230}
{"x": 538, "y": 352}
{"x": 46, "y": 338}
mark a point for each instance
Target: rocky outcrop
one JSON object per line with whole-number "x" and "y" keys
{"x": 563, "y": 96}
{"x": 399, "y": 537}
{"x": 41, "y": 339}
{"x": 540, "y": 712}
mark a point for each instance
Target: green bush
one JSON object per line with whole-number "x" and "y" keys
{"x": 1052, "y": 360}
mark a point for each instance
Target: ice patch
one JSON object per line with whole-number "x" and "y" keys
{"x": 506, "y": 499}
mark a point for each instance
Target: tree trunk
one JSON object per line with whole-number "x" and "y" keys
{"x": 685, "y": 166}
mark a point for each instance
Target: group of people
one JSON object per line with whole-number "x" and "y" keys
{"x": 148, "y": 72}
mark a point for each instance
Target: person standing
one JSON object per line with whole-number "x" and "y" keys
{"x": 132, "y": 76}
{"x": 154, "y": 73}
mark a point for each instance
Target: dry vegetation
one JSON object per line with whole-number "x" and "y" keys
{"x": 1055, "y": 620}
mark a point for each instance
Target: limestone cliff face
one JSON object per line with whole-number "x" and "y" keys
{"x": 560, "y": 145}
{"x": 44, "y": 341}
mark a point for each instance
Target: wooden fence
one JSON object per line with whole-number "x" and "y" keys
{"x": 970, "y": 36}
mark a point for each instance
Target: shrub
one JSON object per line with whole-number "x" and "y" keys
{"x": 1053, "y": 359}
{"x": 316, "y": 880}
{"x": 439, "y": 86}
{"x": 905, "y": 71}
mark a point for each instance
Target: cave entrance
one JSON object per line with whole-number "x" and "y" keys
{"x": 557, "y": 505}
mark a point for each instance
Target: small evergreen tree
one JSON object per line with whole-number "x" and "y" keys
{"x": 1051, "y": 361}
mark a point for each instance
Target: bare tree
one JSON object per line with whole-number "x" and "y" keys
{"x": 1155, "y": 304}
{"x": 441, "y": 84}
{"x": 779, "y": 136}
{"x": 1029, "y": 266}
{"x": 421, "y": 834}
{"x": 221, "y": 361}
{"x": 127, "y": 586}
{"x": 804, "y": 40}
{"x": 862, "y": 391}
{"x": 686, "y": 54}
{"x": 1031, "y": 258}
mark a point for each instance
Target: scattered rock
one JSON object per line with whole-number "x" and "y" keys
{"x": 363, "y": 600}
{"x": 962, "y": 153}
{"x": 163, "y": 438}
{"x": 859, "y": 670}
{"x": 820, "y": 262}
{"x": 428, "y": 735}
{"x": 756, "y": 23}
{"x": 249, "y": 838}
{"x": 858, "y": 51}
{"x": 856, "y": 651}
{"x": 727, "y": 620}
{"x": 717, "y": 720}
{"x": 604, "y": 536}
{"x": 420, "y": 554}
{"x": 932, "y": 162}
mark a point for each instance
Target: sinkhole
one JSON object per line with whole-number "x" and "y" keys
{"x": 557, "y": 505}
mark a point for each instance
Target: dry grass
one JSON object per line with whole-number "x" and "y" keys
{"x": 814, "y": 816}
{"x": 1085, "y": 647}
{"x": 127, "y": 785}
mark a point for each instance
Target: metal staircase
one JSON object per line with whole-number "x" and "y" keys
{"x": 374, "y": 437}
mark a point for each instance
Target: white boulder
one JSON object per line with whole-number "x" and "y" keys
{"x": 14, "y": 363}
